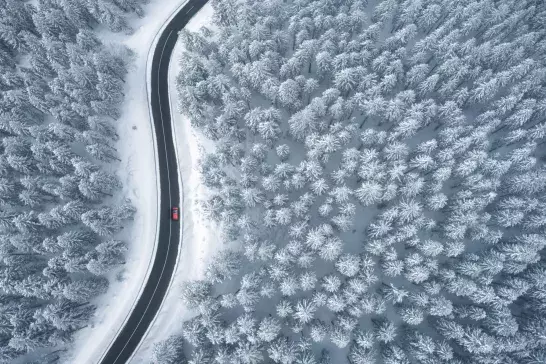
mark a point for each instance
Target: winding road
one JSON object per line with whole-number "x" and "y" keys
{"x": 128, "y": 339}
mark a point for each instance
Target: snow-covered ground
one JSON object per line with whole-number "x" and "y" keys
{"x": 200, "y": 238}
{"x": 138, "y": 172}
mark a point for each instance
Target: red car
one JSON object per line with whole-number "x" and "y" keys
{"x": 174, "y": 213}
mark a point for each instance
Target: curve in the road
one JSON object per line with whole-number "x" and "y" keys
{"x": 149, "y": 302}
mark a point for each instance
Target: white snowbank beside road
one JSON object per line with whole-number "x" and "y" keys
{"x": 200, "y": 238}
{"x": 138, "y": 172}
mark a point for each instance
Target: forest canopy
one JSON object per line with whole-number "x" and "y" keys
{"x": 60, "y": 200}
{"x": 381, "y": 167}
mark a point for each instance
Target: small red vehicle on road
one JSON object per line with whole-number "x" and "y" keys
{"x": 174, "y": 213}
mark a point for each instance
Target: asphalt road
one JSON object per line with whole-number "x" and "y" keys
{"x": 168, "y": 242}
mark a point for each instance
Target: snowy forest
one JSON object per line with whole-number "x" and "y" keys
{"x": 379, "y": 174}
{"x": 60, "y": 206}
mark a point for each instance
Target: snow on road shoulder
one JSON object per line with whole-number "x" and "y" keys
{"x": 138, "y": 173}
{"x": 199, "y": 237}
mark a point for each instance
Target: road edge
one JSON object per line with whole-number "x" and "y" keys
{"x": 147, "y": 76}
{"x": 181, "y": 190}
